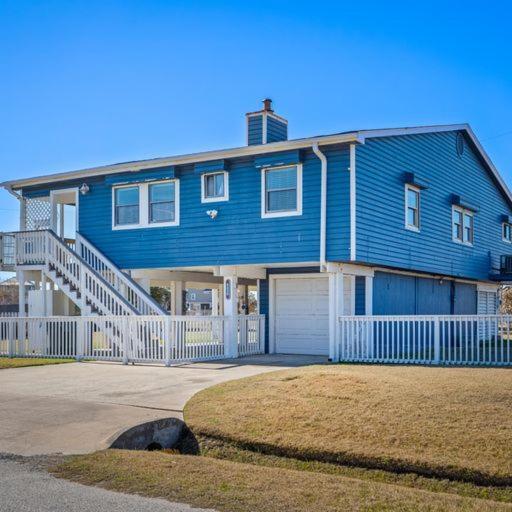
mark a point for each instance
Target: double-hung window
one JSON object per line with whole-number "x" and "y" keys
{"x": 281, "y": 191}
{"x": 214, "y": 187}
{"x": 462, "y": 225}
{"x": 144, "y": 205}
{"x": 507, "y": 232}
{"x": 412, "y": 208}
{"x": 162, "y": 202}
{"x": 127, "y": 206}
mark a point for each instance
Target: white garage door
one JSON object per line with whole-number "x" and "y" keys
{"x": 302, "y": 315}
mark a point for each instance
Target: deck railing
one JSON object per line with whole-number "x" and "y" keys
{"x": 155, "y": 339}
{"x": 449, "y": 340}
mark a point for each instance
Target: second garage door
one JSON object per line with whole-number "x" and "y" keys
{"x": 302, "y": 315}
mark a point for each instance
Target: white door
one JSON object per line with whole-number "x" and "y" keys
{"x": 301, "y": 322}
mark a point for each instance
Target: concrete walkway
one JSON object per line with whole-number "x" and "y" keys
{"x": 28, "y": 489}
{"x": 81, "y": 407}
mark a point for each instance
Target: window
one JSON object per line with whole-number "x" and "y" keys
{"x": 412, "y": 208}
{"x": 161, "y": 202}
{"x": 214, "y": 187}
{"x": 507, "y": 232}
{"x": 281, "y": 191}
{"x": 126, "y": 206}
{"x": 144, "y": 205}
{"x": 462, "y": 226}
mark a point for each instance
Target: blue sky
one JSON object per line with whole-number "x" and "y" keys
{"x": 88, "y": 83}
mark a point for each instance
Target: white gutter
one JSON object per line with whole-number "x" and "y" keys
{"x": 323, "y": 205}
{"x": 185, "y": 159}
{"x": 352, "y": 202}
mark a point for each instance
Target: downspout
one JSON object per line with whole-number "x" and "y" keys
{"x": 21, "y": 199}
{"x": 323, "y": 206}
{"x": 353, "y": 240}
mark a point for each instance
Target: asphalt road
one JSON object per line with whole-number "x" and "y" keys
{"x": 26, "y": 487}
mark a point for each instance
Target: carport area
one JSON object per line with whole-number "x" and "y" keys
{"x": 80, "y": 407}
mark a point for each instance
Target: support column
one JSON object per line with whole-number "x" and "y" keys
{"x": 22, "y": 298}
{"x": 177, "y": 288}
{"x": 215, "y": 301}
{"x": 336, "y": 298}
{"x": 45, "y": 294}
{"x": 368, "y": 294}
{"x": 231, "y": 312}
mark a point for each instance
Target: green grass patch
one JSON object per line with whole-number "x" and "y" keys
{"x": 21, "y": 362}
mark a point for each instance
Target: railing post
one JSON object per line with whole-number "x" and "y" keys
{"x": 261, "y": 335}
{"x": 11, "y": 327}
{"x": 80, "y": 338}
{"x": 126, "y": 330}
{"x": 167, "y": 340}
{"x": 437, "y": 341}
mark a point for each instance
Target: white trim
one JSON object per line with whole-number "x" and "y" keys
{"x": 264, "y": 128}
{"x": 225, "y": 197}
{"x": 269, "y": 113}
{"x": 464, "y": 211}
{"x": 53, "y": 216}
{"x": 144, "y": 206}
{"x": 486, "y": 287}
{"x": 288, "y": 213}
{"x": 503, "y": 224}
{"x": 352, "y": 169}
{"x": 408, "y": 226}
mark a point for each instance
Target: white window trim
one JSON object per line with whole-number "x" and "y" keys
{"x": 464, "y": 211}
{"x": 290, "y": 213}
{"x": 225, "y": 197}
{"x": 503, "y": 224}
{"x": 407, "y": 225}
{"x": 144, "y": 206}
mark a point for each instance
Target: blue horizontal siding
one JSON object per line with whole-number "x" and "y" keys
{"x": 238, "y": 235}
{"x": 360, "y": 303}
{"x": 381, "y": 236}
{"x": 254, "y": 130}
{"x": 276, "y": 130}
{"x": 396, "y": 294}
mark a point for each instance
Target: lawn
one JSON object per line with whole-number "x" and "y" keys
{"x": 444, "y": 422}
{"x": 21, "y": 362}
{"x": 234, "y": 487}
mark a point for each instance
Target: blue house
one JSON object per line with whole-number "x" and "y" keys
{"x": 406, "y": 221}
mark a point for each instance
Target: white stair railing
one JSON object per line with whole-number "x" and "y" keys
{"x": 91, "y": 289}
{"x": 123, "y": 284}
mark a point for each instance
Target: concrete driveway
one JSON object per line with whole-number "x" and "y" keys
{"x": 80, "y": 407}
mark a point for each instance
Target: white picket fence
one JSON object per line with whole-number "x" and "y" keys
{"x": 155, "y": 339}
{"x": 450, "y": 340}
{"x": 8, "y": 314}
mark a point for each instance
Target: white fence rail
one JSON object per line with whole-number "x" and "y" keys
{"x": 450, "y": 340}
{"x": 156, "y": 339}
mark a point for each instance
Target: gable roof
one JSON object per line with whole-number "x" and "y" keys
{"x": 357, "y": 136}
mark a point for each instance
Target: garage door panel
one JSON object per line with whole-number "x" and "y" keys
{"x": 301, "y": 315}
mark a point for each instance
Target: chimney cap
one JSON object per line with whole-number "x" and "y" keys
{"x": 267, "y": 105}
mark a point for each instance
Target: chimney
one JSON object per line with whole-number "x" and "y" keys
{"x": 264, "y": 126}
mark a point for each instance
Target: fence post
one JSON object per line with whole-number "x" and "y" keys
{"x": 126, "y": 330}
{"x": 437, "y": 341}
{"x": 261, "y": 335}
{"x": 167, "y": 340}
{"x": 11, "y": 328}
{"x": 80, "y": 338}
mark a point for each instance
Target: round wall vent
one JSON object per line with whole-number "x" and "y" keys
{"x": 459, "y": 143}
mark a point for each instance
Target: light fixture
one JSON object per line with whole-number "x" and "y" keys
{"x": 212, "y": 213}
{"x": 84, "y": 189}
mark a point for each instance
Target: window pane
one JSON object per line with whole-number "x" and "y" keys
{"x": 161, "y": 192}
{"x": 281, "y": 179}
{"x": 412, "y": 217}
{"x": 161, "y": 212}
{"x": 127, "y": 215}
{"x": 219, "y": 185}
{"x": 127, "y": 196}
{"x": 282, "y": 200}
{"x": 161, "y": 202}
{"x": 210, "y": 186}
{"x": 468, "y": 228}
{"x": 412, "y": 198}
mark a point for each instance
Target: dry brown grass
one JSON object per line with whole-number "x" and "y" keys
{"x": 234, "y": 487}
{"x": 21, "y": 362}
{"x": 454, "y": 422}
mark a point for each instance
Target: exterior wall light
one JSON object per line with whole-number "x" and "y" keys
{"x": 212, "y": 213}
